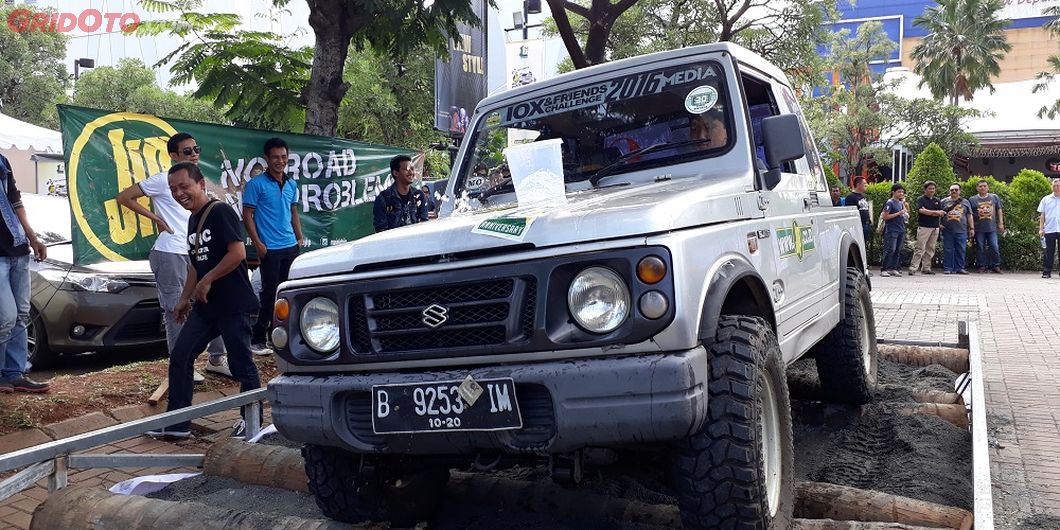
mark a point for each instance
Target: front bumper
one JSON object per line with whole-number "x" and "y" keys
{"x": 129, "y": 319}
{"x": 565, "y": 405}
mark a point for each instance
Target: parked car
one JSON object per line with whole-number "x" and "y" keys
{"x": 76, "y": 309}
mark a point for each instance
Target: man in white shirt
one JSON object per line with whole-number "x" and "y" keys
{"x": 169, "y": 255}
{"x": 1049, "y": 226}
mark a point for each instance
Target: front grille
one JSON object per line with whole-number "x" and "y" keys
{"x": 476, "y": 314}
{"x": 140, "y": 330}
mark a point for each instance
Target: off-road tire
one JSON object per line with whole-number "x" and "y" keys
{"x": 394, "y": 490}
{"x": 720, "y": 470}
{"x": 40, "y": 353}
{"x": 845, "y": 373}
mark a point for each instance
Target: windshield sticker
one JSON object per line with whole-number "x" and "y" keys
{"x": 511, "y": 228}
{"x": 701, "y": 99}
{"x": 493, "y": 119}
{"x": 618, "y": 89}
{"x": 795, "y": 240}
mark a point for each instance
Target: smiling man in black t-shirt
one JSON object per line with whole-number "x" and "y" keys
{"x": 217, "y": 297}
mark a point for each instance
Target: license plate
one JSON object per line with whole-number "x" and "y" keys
{"x": 439, "y": 407}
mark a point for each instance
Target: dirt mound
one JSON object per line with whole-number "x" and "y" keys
{"x": 923, "y": 457}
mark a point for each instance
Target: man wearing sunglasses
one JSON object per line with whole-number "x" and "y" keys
{"x": 169, "y": 255}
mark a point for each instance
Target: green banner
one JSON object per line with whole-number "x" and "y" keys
{"x": 107, "y": 152}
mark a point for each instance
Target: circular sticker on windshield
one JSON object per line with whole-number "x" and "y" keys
{"x": 701, "y": 99}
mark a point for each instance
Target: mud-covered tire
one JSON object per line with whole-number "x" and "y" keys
{"x": 394, "y": 490}
{"x": 737, "y": 471}
{"x": 847, "y": 358}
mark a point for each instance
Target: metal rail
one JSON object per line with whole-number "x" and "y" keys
{"x": 981, "y": 482}
{"x": 51, "y": 460}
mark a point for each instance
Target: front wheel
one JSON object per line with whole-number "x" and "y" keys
{"x": 350, "y": 489}
{"x": 847, "y": 358}
{"x": 737, "y": 471}
{"x": 40, "y": 353}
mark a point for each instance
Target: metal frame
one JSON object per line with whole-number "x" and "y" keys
{"x": 52, "y": 460}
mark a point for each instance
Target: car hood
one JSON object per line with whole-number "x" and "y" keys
{"x": 597, "y": 214}
{"x": 63, "y": 255}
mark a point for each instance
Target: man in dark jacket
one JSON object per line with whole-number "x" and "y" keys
{"x": 400, "y": 204}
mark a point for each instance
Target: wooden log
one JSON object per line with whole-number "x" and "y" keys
{"x": 818, "y": 500}
{"x": 955, "y": 359}
{"x": 87, "y": 508}
{"x": 938, "y": 396}
{"x": 955, "y": 414}
{"x": 156, "y": 396}
{"x": 831, "y": 524}
{"x": 264, "y": 465}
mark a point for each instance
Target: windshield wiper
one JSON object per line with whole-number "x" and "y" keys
{"x": 62, "y": 242}
{"x": 624, "y": 159}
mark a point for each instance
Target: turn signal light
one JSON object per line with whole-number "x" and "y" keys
{"x": 651, "y": 270}
{"x": 282, "y": 309}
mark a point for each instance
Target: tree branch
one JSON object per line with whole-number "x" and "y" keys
{"x": 566, "y": 32}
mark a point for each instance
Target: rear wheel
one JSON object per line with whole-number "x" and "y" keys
{"x": 847, "y": 358}
{"x": 351, "y": 488}
{"x": 737, "y": 471}
{"x": 40, "y": 354}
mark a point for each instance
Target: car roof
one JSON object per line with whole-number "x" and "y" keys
{"x": 742, "y": 55}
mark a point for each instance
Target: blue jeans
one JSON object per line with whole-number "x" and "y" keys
{"x": 197, "y": 332}
{"x": 892, "y": 250}
{"x": 988, "y": 253}
{"x": 14, "y": 316}
{"x": 954, "y": 245}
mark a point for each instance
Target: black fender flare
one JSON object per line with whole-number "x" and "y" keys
{"x": 733, "y": 270}
{"x": 845, "y": 242}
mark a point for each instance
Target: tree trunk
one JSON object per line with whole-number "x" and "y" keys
{"x": 334, "y": 28}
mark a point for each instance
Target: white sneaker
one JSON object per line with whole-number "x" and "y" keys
{"x": 260, "y": 349}
{"x": 221, "y": 368}
{"x": 197, "y": 377}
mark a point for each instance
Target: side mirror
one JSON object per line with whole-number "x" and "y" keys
{"x": 783, "y": 142}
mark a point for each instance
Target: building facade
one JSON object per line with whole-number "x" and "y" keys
{"x": 1011, "y": 136}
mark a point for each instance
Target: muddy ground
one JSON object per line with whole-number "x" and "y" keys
{"x": 922, "y": 457}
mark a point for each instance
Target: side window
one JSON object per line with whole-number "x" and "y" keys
{"x": 812, "y": 160}
{"x": 760, "y": 104}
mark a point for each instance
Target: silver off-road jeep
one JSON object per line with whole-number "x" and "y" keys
{"x": 640, "y": 280}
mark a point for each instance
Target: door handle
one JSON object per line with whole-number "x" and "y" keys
{"x": 806, "y": 203}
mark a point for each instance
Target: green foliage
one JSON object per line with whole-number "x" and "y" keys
{"x": 931, "y": 164}
{"x": 32, "y": 72}
{"x": 389, "y": 102}
{"x": 963, "y": 48}
{"x": 1020, "y": 251}
{"x": 1045, "y": 78}
{"x": 877, "y": 194}
{"x": 833, "y": 180}
{"x": 131, "y": 87}
{"x": 1025, "y": 193}
{"x": 784, "y": 33}
{"x": 919, "y": 122}
{"x": 846, "y": 119}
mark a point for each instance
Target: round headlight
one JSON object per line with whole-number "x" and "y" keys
{"x": 598, "y": 299}
{"x": 320, "y": 325}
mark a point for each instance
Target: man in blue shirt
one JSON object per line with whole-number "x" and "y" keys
{"x": 400, "y": 204}
{"x": 270, "y": 202}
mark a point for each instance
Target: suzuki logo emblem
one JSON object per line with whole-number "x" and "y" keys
{"x": 435, "y": 315}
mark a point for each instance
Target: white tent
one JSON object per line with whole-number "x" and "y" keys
{"x": 1011, "y": 110}
{"x": 26, "y": 136}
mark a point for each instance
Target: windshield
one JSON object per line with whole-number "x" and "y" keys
{"x": 629, "y": 123}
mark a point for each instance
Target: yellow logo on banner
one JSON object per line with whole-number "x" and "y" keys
{"x": 134, "y": 160}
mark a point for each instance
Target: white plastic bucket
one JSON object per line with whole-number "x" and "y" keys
{"x": 537, "y": 172}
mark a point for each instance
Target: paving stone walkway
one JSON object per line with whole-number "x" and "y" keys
{"x": 1019, "y": 317}
{"x": 17, "y": 511}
